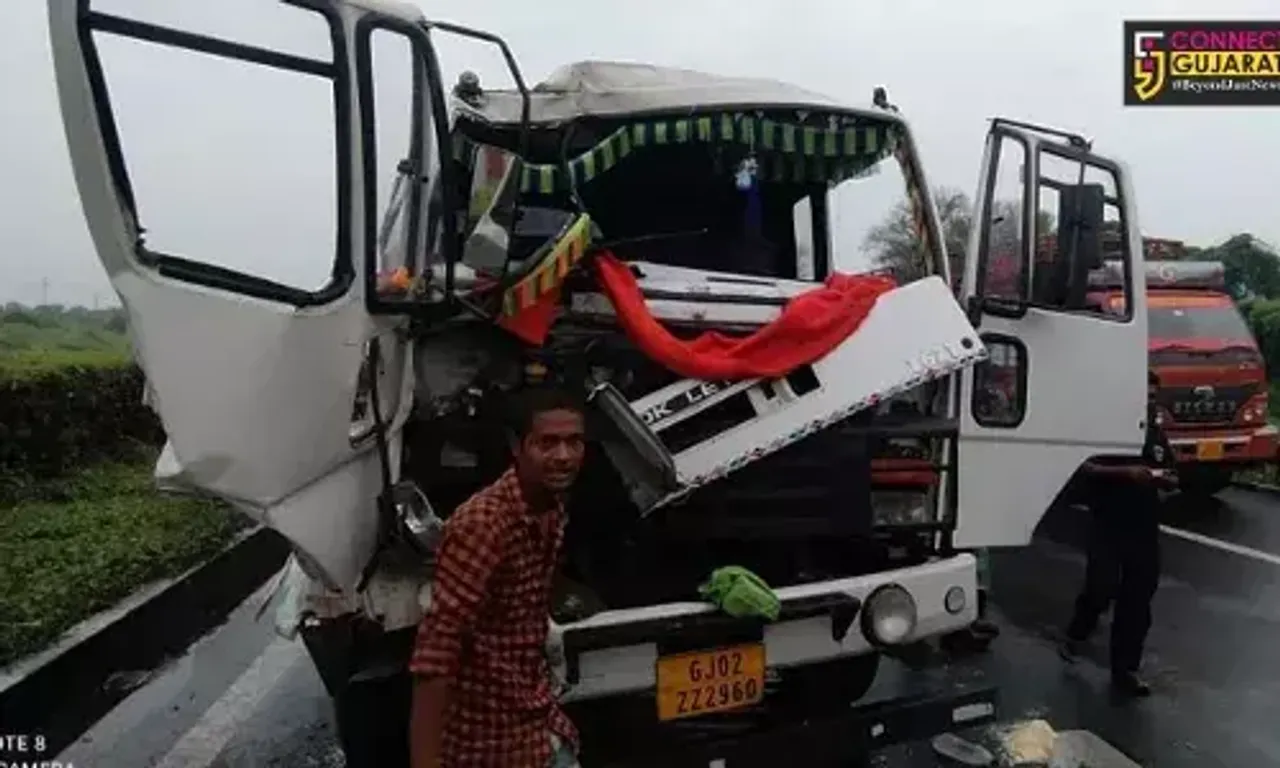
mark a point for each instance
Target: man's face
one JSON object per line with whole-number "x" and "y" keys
{"x": 551, "y": 453}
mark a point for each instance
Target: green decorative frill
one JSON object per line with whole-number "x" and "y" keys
{"x": 785, "y": 152}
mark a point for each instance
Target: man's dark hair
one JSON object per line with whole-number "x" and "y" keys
{"x": 1153, "y": 380}
{"x": 528, "y": 403}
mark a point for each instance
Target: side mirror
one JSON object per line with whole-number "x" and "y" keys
{"x": 1080, "y": 221}
{"x": 492, "y": 209}
{"x": 502, "y": 233}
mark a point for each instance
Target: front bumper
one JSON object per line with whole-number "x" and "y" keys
{"x": 813, "y": 651}
{"x": 1229, "y": 447}
{"x": 616, "y": 652}
{"x": 842, "y": 737}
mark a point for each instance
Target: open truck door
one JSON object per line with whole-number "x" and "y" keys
{"x": 1065, "y": 381}
{"x": 263, "y": 385}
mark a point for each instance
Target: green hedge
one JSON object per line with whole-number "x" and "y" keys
{"x": 1264, "y": 319}
{"x": 58, "y": 420}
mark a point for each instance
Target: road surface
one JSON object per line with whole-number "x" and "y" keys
{"x": 243, "y": 698}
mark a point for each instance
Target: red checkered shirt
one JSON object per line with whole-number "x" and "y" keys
{"x": 486, "y": 629}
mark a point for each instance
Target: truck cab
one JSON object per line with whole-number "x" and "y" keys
{"x": 489, "y": 239}
{"x": 1213, "y": 384}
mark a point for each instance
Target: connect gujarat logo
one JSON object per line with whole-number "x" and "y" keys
{"x": 1148, "y": 64}
{"x": 1202, "y": 62}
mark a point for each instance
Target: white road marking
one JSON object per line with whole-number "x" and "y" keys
{"x": 1209, "y": 541}
{"x": 201, "y": 745}
{"x": 1225, "y": 546}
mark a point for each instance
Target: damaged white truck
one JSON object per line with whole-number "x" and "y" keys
{"x": 353, "y": 417}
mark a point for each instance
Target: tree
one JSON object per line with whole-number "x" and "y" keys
{"x": 1252, "y": 268}
{"x": 897, "y": 247}
{"x": 117, "y": 322}
{"x": 894, "y": 241}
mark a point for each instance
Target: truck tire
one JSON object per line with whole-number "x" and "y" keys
{"x": 373, "y": 721}
{"x": 364, "y": 671}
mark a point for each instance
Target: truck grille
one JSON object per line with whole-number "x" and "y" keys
{"x": 1205, "y": 404}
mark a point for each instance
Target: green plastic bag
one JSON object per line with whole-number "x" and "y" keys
{"x": 739, "y": 592}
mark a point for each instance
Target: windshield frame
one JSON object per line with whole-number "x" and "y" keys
{"x": 900, "y": 145}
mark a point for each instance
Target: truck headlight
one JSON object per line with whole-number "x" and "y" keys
{"x": 889, "y": 615}
{"x": 890, "y": 508}
{"x": 1255, "y": 411}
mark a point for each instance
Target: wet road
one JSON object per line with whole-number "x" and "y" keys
{"x": 244, "y": 698}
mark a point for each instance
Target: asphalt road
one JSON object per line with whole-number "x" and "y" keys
{"x": 244, "y": 698}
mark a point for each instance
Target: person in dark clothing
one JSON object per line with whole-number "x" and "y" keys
{"x": 1124, "y": 552}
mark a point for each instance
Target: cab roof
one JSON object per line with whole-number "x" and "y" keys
{"x": 624, "y": 89}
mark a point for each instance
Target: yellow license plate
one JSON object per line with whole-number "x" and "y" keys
{"x": 699, "y": 683}
{"x": 1209, "y": 450}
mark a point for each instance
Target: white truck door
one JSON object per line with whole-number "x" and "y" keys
{"x": 1065, "y": 380}
{"x": 256, "y": 372}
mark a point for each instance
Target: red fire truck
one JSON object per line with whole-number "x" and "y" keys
{"x": 1213, "y": 383}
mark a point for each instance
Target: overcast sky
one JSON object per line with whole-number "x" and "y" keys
{"x": 233, "y": 164}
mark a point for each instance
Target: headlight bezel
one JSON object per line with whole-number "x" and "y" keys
{"x": 889, "y": 602}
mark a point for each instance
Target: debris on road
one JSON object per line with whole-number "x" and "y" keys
{"x": 1029, "y": 742}
{"x": 965, "y": 752}
{"x": 1084, "y": 749}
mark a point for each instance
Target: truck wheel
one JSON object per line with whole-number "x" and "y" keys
{"x": 373, "y": 721}
{"x": 364, "y": 672}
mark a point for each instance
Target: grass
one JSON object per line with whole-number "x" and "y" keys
{"x": 37, "y": 339}
{"x": 73, "y": 546}
{"x": 82, "y": 544}
{"x": 33, "y": 362}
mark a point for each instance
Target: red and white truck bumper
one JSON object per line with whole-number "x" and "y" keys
{"x": 1231, "y": 447}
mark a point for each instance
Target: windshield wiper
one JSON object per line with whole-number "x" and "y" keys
{"x": 1201, "y": 351}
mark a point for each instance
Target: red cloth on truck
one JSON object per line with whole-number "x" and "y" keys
{"x": 810, "y": 325}
{"x": 532, "y": 324}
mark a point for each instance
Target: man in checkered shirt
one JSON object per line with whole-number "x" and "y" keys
{"x": 483, "y": 695}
